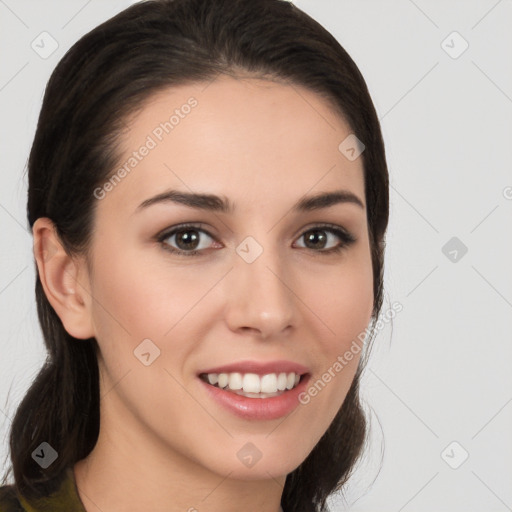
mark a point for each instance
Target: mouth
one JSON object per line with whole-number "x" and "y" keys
{"x": 253, "y": 385}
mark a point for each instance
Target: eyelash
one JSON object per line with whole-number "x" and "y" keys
{"x": 346, "y": 238}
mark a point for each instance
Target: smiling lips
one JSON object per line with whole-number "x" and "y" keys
{"x": 256, "y": 405}
{"x": 270, "y": 383}
{"x": 272, "y": 378}
{"x": 254, "y": 379}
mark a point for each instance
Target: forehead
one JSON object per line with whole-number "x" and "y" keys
{"x": 249, "y": 139}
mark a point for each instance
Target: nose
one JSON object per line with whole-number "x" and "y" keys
{"x": 259, "y": 296}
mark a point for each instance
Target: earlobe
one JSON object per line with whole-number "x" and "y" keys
{"x": 64, "y": 280}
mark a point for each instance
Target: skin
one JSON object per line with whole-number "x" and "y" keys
{"x": 163, "y": 444}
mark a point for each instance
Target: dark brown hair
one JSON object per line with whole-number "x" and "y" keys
{"x": 107, "y": 76}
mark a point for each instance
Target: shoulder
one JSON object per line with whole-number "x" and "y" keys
{"x": 9, "y": 501}
{"x": 64, "y": 499}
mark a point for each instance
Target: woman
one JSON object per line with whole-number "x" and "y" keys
{"x": 208, "y": 196}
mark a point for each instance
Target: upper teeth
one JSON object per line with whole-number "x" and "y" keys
{"x": 253, "y": 383}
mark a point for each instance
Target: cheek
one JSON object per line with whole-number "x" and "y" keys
{"x": 342, "y": 304}
{"x": 352, "y": 306}
{"x": 342, "y": 298}
{"x": 140, "y": 299}
{"x": 341, "y": 301}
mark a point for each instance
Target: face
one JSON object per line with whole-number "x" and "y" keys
{"x": 263, "y": 281}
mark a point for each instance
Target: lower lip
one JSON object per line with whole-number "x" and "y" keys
{"x": 258, "y": 408}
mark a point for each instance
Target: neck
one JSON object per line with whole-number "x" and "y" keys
{"x": 130, "y": 470}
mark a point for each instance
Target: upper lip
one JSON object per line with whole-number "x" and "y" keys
{"x": 259, "y": 367}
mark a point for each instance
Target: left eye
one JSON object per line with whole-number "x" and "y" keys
{"x": 320, "y": 236}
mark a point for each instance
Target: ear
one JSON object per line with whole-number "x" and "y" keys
{"x": 64, "y": 279}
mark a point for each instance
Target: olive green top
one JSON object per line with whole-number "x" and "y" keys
{"x": 66, "y": 499}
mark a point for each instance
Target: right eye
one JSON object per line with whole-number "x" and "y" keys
{"x": 187, "y": 238}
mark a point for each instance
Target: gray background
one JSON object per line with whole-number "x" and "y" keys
{"x": 442, "y": 373}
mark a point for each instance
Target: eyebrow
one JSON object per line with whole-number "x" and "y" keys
{"x": 222, "y": 204}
